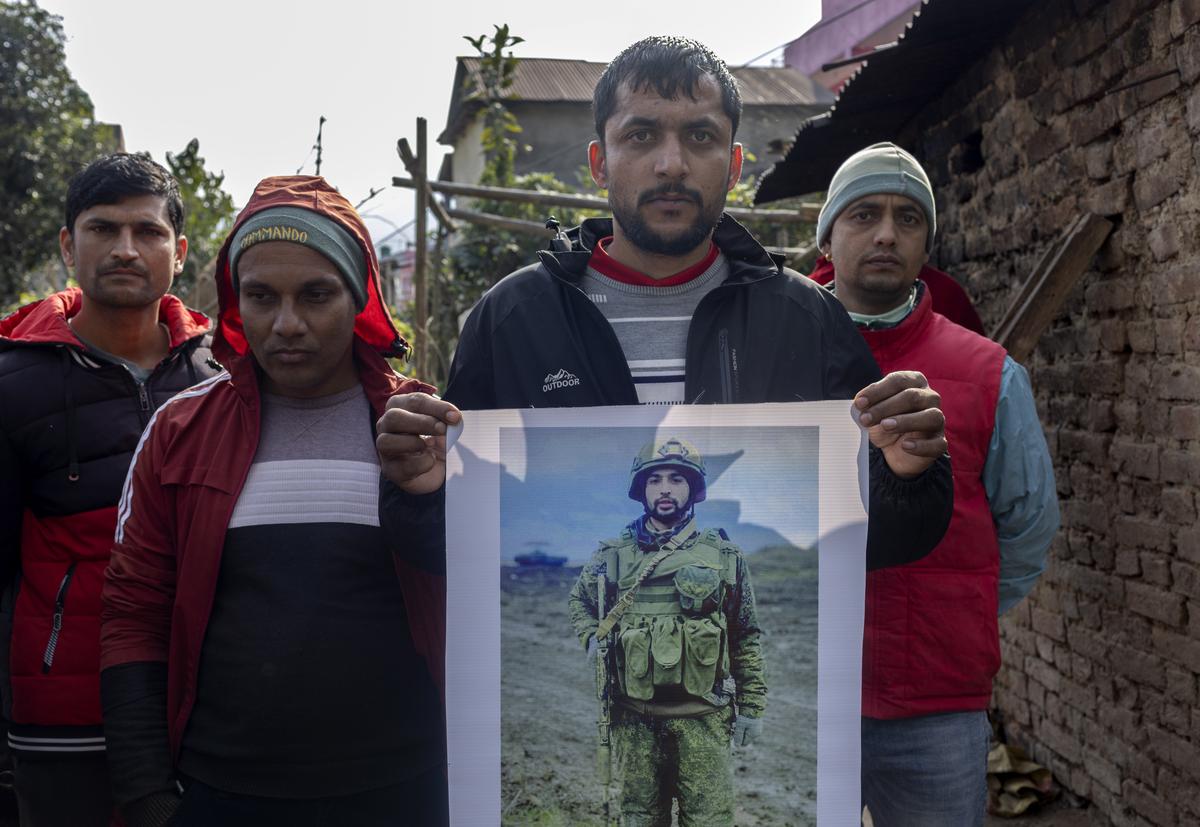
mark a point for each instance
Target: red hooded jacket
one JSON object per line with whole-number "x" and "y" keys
{"x": 69, "y": 422}
{"x": 190, "y": 468}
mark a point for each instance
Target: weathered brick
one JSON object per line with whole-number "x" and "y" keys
{"x": 1147, "y": 803}
{"x": 1094, "y": 516}
{"x": 1177, "y": 283}
{"x": 1155, "y": 602}
{"x": 1138, "y": 459}
{"x": 1187, "y": 57}
{"x": 1181, "y": 686}
{"x": 1178, "y": 506}
{"x": 1186, "y": 580}
{"x": 1049, "y": 624}
{"x": 1084, "y": 40}
{"x": 1141, "y": 336}
{"x": 1177, "y": 648}
{"x": 1140, "y": 533}
{"x": 1043, "y": 673}
{"x": 1044, "y": 648}
{"x": 1155, "y": 185}
{"x": 1187, "y": 544}
{"x": 1106, "y": 376}
{"x": 1156, "y": 569}
{"x": 1173, "y": 750}
{"x": 1088, "y": 581}
{"x": 1105, "y": 773}
{"x": 1168, "y": 336}
{"x": 1153, "y": 142}
{"x": 1128, "y": 562}
{"x": 1186, "y": 421}
{"x": 1179, "y": 466}
{"x": 1139, "y": 666}
{"x": 1177, "y": 381}
{"x": 1064, "y": 743}
{"x": 1107, "y": 199}
{"x": 1164, "y": 241}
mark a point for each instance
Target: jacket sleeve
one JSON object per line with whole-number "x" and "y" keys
{"x": 470, "y": 383}
{"x": 1018, "y": 477}
{"x": 135, "y": 627}
{"x": 581, "y": 603}
{"x": 414, "y": 526}
{"x": 745, "y": 646}
{"x": 134, "y": 698}
{"x": 907, "y": 517}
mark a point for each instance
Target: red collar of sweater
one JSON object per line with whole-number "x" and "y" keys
{"x": 606, "y": 265}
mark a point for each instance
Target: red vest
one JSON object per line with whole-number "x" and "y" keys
{"x": 931, "y": 640}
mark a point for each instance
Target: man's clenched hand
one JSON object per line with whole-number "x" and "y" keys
{"x": 411, "y": 441}
{"x": 902, "y": 418}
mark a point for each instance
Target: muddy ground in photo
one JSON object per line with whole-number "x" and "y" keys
{"x": 548, "y": 702}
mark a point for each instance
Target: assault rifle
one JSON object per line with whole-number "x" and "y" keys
{"x": 604, "y": 721}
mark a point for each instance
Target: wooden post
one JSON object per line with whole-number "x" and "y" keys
{"x": 1052, "y": 279}
{"x": 421, "y": 263}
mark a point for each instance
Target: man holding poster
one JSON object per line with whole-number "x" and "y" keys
{"x": 672, "y": 302}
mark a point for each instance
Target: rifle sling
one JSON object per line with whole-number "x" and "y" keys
{"x": 622, "y": 605}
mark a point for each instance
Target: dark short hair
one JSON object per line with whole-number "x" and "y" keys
{"x": 669, "y": 65}
{"x": 111, "y": 178}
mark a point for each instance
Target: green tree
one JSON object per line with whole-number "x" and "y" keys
{"x": 208, "y": 211}
{"x": 47, "y": 132}
{"x": 481, "y": 255}
{"x": 497, "y": 72}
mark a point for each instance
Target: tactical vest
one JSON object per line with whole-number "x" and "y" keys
{"x": 673, "y": 637}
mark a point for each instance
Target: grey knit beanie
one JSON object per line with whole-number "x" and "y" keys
{"x": 311, "y": 229}
{"x": 880, "y": 168}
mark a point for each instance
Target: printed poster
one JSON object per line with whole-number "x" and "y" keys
{"x": 758, "y": 513}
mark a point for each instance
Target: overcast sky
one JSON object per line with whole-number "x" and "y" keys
{"x": 566, "y": 488}
{"x": 251, "y": 78}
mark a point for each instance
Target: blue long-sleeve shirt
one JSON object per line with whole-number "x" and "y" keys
{"x": 1018, "y": 478}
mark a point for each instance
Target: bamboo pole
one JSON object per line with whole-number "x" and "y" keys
{"x": 421, "y": 263}
{"x": 515, "y": 225}
{"x": 807, "y": 213}
{"x": 410, "y": 162}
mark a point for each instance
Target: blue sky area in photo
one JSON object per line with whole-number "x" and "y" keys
{"x": 564, "y": 489}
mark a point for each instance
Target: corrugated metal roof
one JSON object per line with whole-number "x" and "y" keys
{"x": 943, "y": 39}
{"x": 572, "y": 81}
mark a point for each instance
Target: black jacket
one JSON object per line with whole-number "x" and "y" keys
{"x": 69, "y": 423}
{"x": 765, "y": 334}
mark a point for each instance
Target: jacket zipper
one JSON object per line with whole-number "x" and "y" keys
{"x": 726, "y": 366}
{"x": 60, "y": 601}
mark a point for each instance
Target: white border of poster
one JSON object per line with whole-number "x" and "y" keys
{"x": 473, "y": 550}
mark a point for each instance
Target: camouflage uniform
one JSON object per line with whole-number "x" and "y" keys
{"x": 691, "y": 631}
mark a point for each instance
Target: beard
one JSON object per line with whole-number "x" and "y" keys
{"x": 670, "y": 518}
{"x": 646, "y": 238}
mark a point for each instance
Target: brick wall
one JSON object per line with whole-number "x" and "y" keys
{"x": 1101, "y": 664}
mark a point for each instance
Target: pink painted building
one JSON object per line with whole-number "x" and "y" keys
{"x": 847, "y": 28}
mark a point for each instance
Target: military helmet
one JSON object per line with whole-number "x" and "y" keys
{"x": 673, "y": 453}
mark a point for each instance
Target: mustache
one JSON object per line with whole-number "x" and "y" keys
{"x": 132, "y": 266}
{"x": 669, "y": 188}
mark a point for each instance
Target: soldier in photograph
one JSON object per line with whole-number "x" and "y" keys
{"x": 669, "y": 607}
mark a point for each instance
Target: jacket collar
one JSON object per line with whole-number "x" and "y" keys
{"x": 748, "y": 260}
{"x": 908, "y": 331}
{"x": 46, "y": 321}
